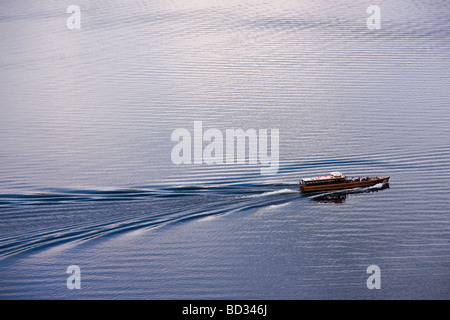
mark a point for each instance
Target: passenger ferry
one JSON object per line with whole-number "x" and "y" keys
{"x": 338, "y": 181}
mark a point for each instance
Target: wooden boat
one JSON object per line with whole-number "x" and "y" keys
{"x": 338, "y": 181}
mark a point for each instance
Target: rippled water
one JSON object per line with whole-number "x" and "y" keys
{"x": 87, "y": 179}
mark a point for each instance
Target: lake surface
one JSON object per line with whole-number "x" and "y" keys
{"x": 87, "y": 176}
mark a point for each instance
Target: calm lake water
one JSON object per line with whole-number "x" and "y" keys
{"x": 87, "y": 176}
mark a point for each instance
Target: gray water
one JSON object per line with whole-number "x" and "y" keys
{"x": 87, "y": 178}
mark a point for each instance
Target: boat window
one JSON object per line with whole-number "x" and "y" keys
{"x": 322, "y": 182}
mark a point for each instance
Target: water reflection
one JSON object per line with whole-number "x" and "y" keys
{"x": 342, "y": 195}
{"x": 337, "y": 198}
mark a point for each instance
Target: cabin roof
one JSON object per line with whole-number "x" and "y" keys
{"x": 334, "y": 175}
{"x": 327, "y": 177}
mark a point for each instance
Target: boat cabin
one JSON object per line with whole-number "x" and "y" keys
{"x": 334, "y": 177}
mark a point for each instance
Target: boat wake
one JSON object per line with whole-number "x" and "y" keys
{"x": 274, "y": 193}
{"x": 71, "y": 216}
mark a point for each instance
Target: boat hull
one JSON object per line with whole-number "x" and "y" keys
{"x": 371, "y": 181}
